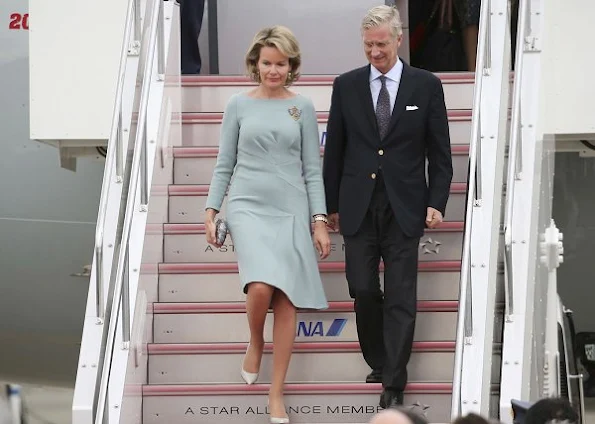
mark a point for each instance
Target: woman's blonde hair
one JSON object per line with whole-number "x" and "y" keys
{"x": 283, "y": 39}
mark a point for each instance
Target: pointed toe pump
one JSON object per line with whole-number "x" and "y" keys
{"x": 248, "y": 377}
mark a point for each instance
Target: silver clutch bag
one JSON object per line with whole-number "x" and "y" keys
{"x": 220, "y": 230}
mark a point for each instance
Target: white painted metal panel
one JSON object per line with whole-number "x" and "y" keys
{"x": 305, "y": 367}
{"x": 159, "y": 207}
{"x": 190, "y": 209}
{"x": 553, "y": 100}
{"x": 213, "y": 98}
{"x": 434, "y": 246}
{"x": 567, "y": 99}
{"x": 475, "y": 333}
{"x": 200, "y": 170}
{"x": 67, "y": 38}
{"x": 153, "y": 248}
{"x": 226, "y": 287}
{"x": 233, "y": 327}
{"x": 195, "y": 134}
{"x": 250, "y": 408}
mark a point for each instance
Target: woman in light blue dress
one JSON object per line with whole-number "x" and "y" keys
{"x": 269, "y": 157}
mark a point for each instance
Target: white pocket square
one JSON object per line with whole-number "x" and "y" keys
{"x": 411, "y": 108}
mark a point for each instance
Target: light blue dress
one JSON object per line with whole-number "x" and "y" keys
{"x": 269, "y": 156}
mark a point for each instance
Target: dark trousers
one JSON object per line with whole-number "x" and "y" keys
{"x": 191, "y": 14}
{"x": 385, "y": 321}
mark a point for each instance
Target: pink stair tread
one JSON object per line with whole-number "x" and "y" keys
{"x": 234, "y": 307}
{"x": 308, "y": 388}
{"x": 232, "y": 267}
{"x": 205, "y": 348}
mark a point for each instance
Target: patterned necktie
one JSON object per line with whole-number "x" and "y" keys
{"x": 383, "y": 108}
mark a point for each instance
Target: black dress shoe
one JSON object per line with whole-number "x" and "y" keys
{"x": 374, "y": 377}
{"x": 390, "y": 398}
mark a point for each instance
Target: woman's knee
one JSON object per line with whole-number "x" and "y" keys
{"x": 260, "y": 289}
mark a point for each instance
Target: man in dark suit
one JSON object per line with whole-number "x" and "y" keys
{"x": 385, "y": 120}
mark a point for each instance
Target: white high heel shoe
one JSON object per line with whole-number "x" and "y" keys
{"x": 275, "y": 420}
{"x": 248, "y": 377}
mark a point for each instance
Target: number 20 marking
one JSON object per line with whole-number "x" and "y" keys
{"x": 18, "y": 21}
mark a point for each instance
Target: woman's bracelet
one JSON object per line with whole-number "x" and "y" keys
{"x": 320, "y": 217}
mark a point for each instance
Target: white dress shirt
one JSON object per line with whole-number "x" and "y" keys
{"x": 393, "y": 79}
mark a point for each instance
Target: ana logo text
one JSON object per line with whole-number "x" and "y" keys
{"x": 317, "y": 328}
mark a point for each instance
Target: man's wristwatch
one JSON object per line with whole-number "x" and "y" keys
{"x": 321, "y": 217}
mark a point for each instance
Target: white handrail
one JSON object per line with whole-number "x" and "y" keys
{"x": 137, "y": 17}
{"x": 514, "y": 164}
{"x": 465, "y": 311}
{"x": 139, "y": 140}
{"x": 114, "y": 152}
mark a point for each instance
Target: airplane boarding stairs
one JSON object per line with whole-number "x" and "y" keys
{"x": 199, "y": 329}
{"x": 165, "y": 328}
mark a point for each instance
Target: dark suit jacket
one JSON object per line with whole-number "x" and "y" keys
{"x": 354, "y": 150}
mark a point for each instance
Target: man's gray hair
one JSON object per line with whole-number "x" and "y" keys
{"x": 381, "y": 15}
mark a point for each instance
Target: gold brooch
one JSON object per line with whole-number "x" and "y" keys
{"x": 295, "y": 113}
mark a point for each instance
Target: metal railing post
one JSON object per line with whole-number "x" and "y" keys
{"x": 139, "y": 143}
{"x": 115, "y": 152}
{"x": 99, "y": 295}
{"x": 144, "y": 183}
{"x": 464, "y": 334}
{"x": 119, "y": 150}
{"x": 161, "y": 43}
{"x": 126, "y": 298}
{"x": 135, "y": 45}
{"x": 514, "y": 164}
{"x": 478, "y": 176}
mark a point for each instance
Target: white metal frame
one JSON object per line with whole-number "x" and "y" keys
{"x": 92, "y": 342}
{"x": 138, "y": 218}
{"x": 106, "y": 334}
{"x": 475, "y": 332}
{"x": 521, "y": 370}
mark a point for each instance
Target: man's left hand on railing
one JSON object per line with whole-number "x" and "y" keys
{"x": 433, "y": 218}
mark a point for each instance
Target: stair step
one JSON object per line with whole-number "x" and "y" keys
{"x": 306, "y": 403}
{"x": 232, "y": 267}
{"x": 301, "y": 347}
{"x": 195, "y": 165}
{"x": 206, "y": 308}
{"x": 202, "y": 95}
{"x": 196, "y": 228}
{"x": 204, "y": 129}
{"x": 187, "y": 203}
{"x": 187, "y": 243}
{"x": 219, "y": 363}
{"x": 226, "y": 323}
{"x": 224, "y": 286}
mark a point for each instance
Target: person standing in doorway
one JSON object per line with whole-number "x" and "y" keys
{"x": 386, "y": 119}
{"x": 191, "y": 14}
